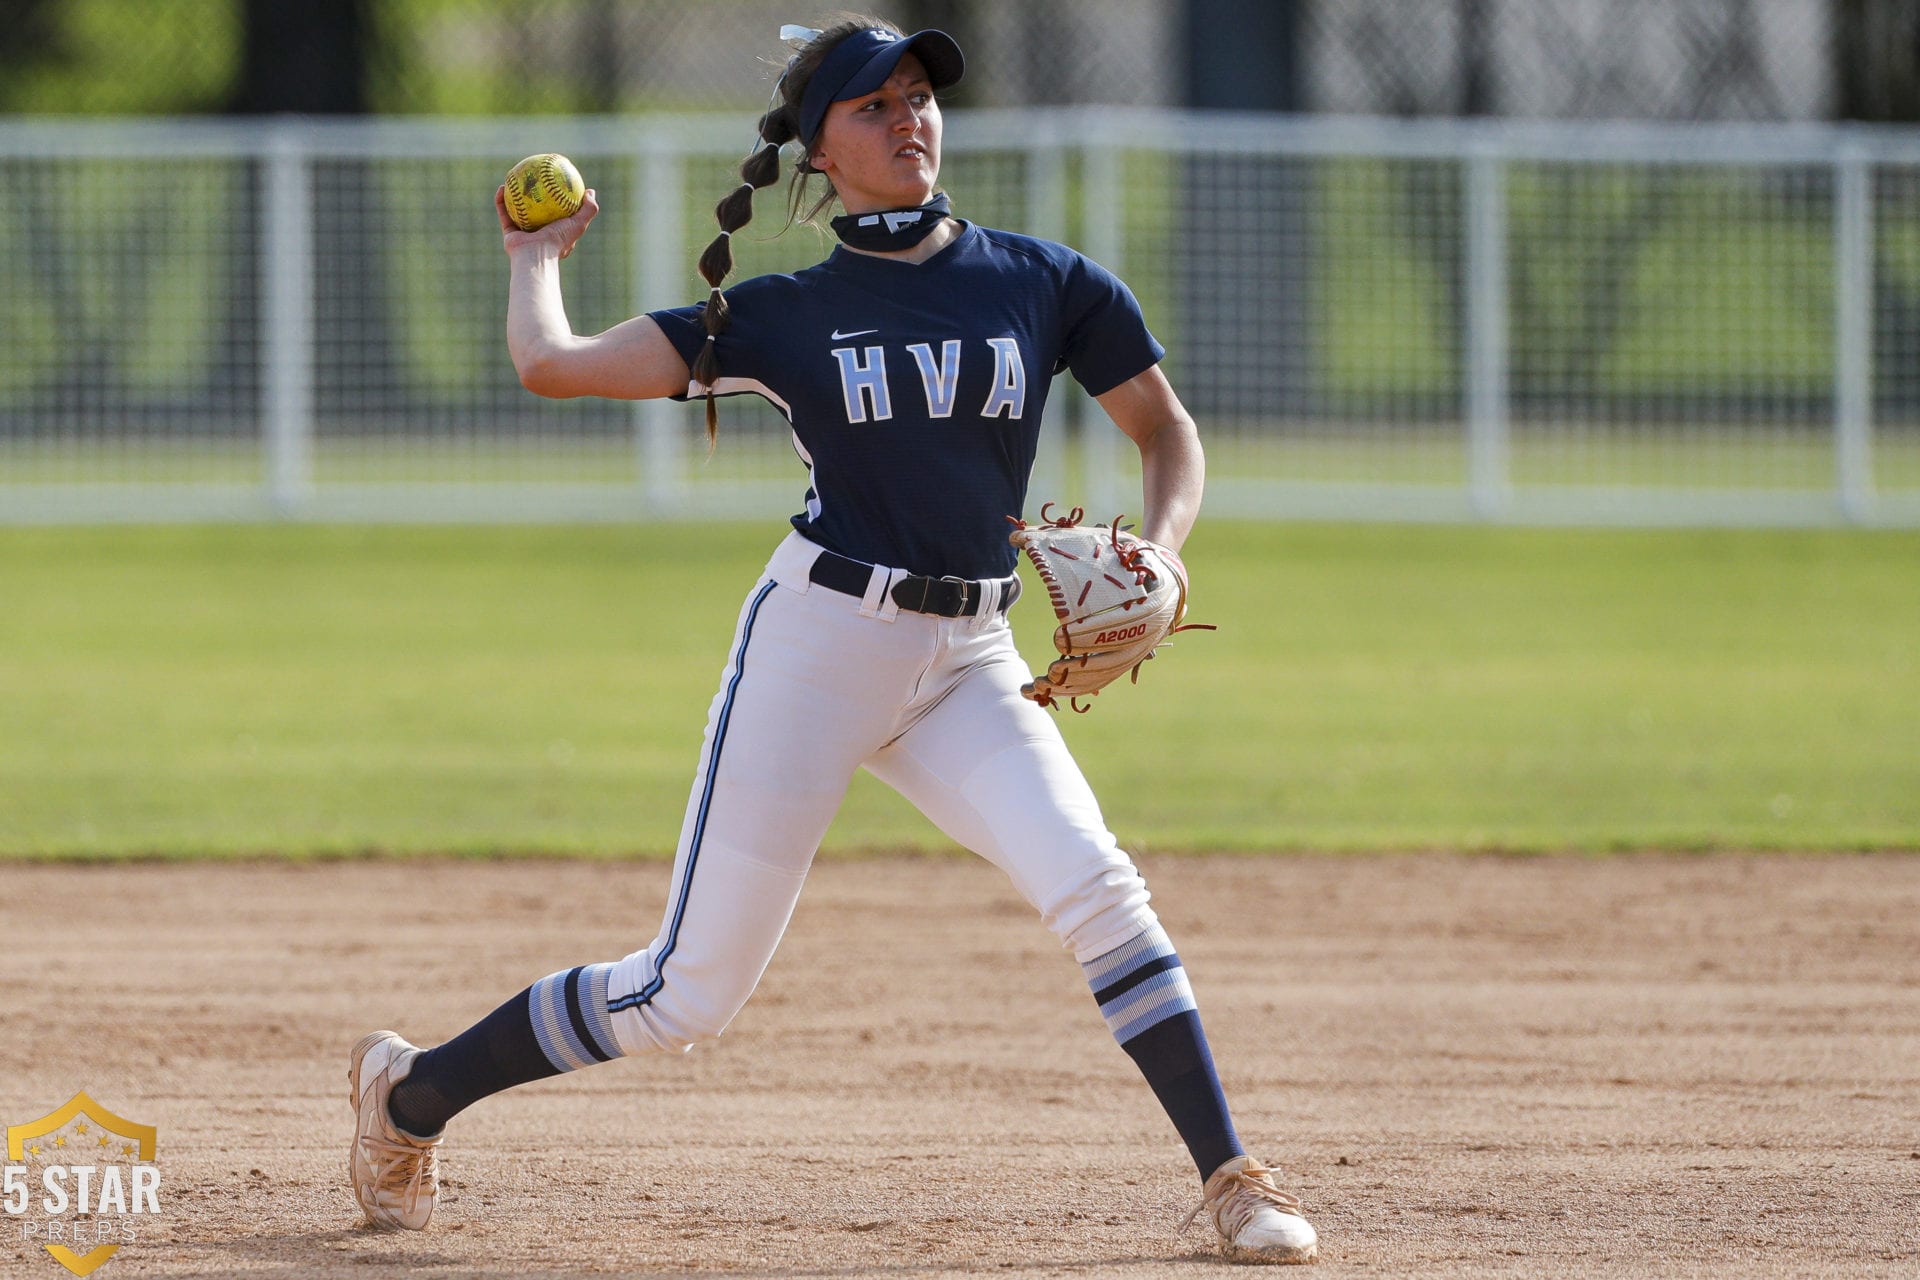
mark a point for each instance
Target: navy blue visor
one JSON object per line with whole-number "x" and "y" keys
{"x": 864, "y": 61}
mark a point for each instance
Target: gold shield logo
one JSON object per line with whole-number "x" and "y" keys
{"x": 76, "y": 1179}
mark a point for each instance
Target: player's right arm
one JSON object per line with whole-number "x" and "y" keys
{"x": 631, "y": 361}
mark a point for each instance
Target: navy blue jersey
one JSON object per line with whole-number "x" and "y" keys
{"x": 916, "y": 390}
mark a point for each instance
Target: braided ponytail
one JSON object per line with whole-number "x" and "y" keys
{"x": 735, "y": 210}
{"x": 778, "y": 126}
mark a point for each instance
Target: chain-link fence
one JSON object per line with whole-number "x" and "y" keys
{"x": 1443, "y": 320}
{"x": 1560, "y": 322}
{"x": 1381, "y": 317}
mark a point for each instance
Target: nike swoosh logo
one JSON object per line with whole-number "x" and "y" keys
{"x": 857, "y": 333}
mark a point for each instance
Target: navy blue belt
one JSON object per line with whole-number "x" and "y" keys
{"x": 943, "y": 597}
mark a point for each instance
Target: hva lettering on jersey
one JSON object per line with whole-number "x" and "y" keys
{"x": 863, "y": 380}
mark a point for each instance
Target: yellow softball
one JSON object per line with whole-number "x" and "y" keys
{"x": 543, "y": 189}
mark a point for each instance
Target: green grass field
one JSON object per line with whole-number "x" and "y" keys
{"x": 1659, "y": 457}
{"x": 314, "y": 689}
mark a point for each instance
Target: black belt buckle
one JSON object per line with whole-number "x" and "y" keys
{"x": 964, "y": 609}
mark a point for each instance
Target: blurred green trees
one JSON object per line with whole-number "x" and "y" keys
{"x": 108, "y": 57}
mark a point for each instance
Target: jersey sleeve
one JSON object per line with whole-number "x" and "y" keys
{"x": 685, "y": 330}
{"x": 1106, "y": 341}
{"x": 739, "y": 351}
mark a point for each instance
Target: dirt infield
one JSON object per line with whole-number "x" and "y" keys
{"x": 1467, "y": 1066}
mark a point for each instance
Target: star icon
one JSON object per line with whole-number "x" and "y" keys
{"x": 59, "y": 1142}
{"x": 105, "y": 1141}
{"x": 127, "y": 1150}
{"x": 80, "y": 1128}
{"x": 35, "y": 1149}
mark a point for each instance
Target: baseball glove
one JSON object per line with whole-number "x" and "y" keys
{"x": 1118, "y": 597}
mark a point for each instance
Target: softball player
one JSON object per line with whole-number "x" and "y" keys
{"x": 913, "y": 365}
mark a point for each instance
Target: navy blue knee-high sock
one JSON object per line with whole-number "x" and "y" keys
{"x": 1143, "y": 994}
{"x": 558, "y": 1024}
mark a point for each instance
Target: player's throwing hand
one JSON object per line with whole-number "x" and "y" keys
{"x": 562, "y": 232}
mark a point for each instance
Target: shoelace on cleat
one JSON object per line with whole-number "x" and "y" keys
{"x": 1234, "y": 1198}
{"x": 402, "y": 1167}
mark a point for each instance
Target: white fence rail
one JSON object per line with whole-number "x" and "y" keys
{"x": 1369, "y": 319}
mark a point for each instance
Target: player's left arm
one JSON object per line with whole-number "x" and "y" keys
{"x": 1173, "y": 467}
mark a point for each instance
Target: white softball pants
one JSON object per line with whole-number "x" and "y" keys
{"x": 820, "y": 684}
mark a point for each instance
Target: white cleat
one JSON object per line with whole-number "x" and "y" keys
{"x": 395, "y": 1176}
{"x": 1256, "y": 1220}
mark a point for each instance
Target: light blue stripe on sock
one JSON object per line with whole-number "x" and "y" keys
{"x": 1152, "y": 1002}
{"x": 1102, "y": 971}
{"x": 551, "y": 1027}
{"x": 593, "y": 1002}
{"x": 1123, "y": 1007}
